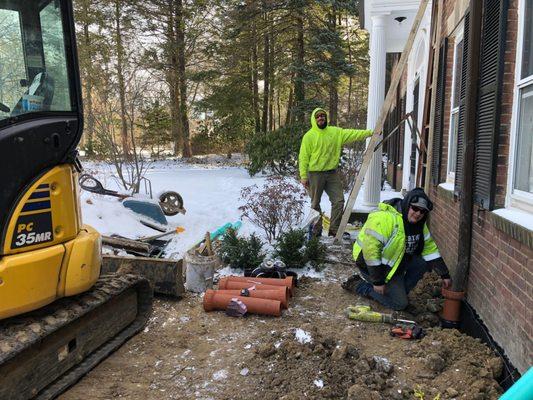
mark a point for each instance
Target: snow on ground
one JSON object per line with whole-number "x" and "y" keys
{"x": 211, "y": 195}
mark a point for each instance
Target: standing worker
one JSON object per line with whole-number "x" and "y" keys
{"x": 394, "y": 250}
{"x": 319, "y": 158}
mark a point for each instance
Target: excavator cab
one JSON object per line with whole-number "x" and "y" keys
{"x": 45, "y": 251}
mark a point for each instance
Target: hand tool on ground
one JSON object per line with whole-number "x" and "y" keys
{"x": 364, "y": 313}
{"x": 178, "y": 229}
{"x": 408, "y": 332}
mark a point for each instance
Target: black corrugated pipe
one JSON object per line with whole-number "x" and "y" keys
{"x": 467, "y": 197}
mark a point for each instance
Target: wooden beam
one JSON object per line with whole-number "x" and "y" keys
{"x": 369, "y": 153}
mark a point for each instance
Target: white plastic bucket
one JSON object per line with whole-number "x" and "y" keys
{"x": 199, "y": 271}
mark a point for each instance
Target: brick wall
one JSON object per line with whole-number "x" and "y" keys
{"x": 444, "y": 225}
{"x": 500, "y": 288}
{"x": 500, "y": 285}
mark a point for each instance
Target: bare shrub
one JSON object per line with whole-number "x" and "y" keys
{"x": 275, "y": 207}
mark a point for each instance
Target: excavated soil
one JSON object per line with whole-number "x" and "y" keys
{"x": 312, "y": 352}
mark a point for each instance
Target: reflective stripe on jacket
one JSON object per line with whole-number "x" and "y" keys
{"x": 382, "y": 240}
{"x": 321, "y": 148}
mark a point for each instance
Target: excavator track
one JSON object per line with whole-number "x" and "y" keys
{"x": 44, "y": 352}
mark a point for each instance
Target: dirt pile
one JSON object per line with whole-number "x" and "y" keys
{"x": 312, "y": 365}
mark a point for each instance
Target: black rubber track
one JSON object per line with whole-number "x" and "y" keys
{"x": 21, "y": 333}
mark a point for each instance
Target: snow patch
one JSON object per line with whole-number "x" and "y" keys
{"x": 318, "y": 383}
{"x": 302, "y": 336}
{"x": 516, "y": 216}
{"x": 219, "y": 375}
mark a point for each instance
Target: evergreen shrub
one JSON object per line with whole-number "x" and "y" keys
{"x": 290, "y": 248}
{"x": 315, "y": 253}
{"x": 275, "y": 151}
{"x": 240, "y": 252}
{"x": 293, "y": 249}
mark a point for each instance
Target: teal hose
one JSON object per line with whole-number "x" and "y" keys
{"x": 522, "y": 389}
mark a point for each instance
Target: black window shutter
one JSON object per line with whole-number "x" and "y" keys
{"x": 439, "y": 113}
{"x": 489, "y": 100}
{"x": 461, "y": 128}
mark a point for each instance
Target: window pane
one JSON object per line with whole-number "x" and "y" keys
{"x": 527, "y": 49}
{"x": 54, "y": 55}
{"x": 457, "y": 73}
{"x": 12, "y": 66}
{"x": 452, "y": 152}
{"x": 524, "y": 158}
{"x": 33, "y": 62}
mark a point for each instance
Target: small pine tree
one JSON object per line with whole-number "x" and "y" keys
{"x": 290, "y": 248}
{"x": 315, "y": 253}
{"x": 241, "y": 253}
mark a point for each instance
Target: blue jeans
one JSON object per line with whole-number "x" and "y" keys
{"x": 396, "y": 290}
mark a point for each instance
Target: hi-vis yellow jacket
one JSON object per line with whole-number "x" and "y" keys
{"x": 321, "y": 148}
{"x": 382, "y": 240}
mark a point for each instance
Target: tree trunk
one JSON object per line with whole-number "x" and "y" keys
{"x": 182, "y": 78}
{"x": 266, "y": 74}
{"x": 172, "y": 79}
{"x": 333, "y": 93}
{"x": 89, "y": 130}
{"x": 350, "y": 78}
{"x": 288, "y": 118}
{"x": 299, "y": 84}
{"x": 255, "y": 78}
{"x": 272, "y": 75}
{"x": 121, "y": 84}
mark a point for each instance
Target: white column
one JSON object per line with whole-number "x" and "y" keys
{"x": 376, "y": 96}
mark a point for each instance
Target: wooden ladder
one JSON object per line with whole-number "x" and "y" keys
{"x": 375, "y": 139}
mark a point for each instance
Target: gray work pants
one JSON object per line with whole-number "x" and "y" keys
{"x": 401, "y": 283}
{"x": 330, "y": 182}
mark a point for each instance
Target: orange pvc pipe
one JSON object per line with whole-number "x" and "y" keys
{"x": 213, "y": 300}
{"x": 279, "y": 294}
{"x": 229, "y": 284}
{"x": 288, "y": 281}
{"x": 451, "y": 309}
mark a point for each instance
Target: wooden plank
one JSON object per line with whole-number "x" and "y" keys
{"x": 126, "y": 244}
{"x": 369, "y": 153}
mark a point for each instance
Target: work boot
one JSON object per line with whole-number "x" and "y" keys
{"x": 364, "y": 288}
{"x": 351, "y": 283}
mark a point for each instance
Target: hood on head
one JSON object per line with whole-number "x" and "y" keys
{"x": 313, "y": 120}
{"x": 413, "y": 196}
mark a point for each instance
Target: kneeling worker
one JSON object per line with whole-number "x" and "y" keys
{"x": 394, "y": 249}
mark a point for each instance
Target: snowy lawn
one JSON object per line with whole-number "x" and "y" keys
{"x": 211, "y": 196}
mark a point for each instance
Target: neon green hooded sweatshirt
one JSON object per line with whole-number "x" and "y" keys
{"x": 321, "y": 148}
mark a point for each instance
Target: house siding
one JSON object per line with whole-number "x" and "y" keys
{"x": 500, "y": 285}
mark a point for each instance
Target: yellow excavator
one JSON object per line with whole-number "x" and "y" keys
{"x": 58, "y": 316}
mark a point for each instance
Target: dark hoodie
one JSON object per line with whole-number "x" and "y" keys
{"x": 414, "y": 237}
{"x": 414, "y": 233}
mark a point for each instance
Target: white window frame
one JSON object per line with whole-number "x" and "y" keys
{"x": 518, "y": 198}
{"x": 450, "y": 175}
